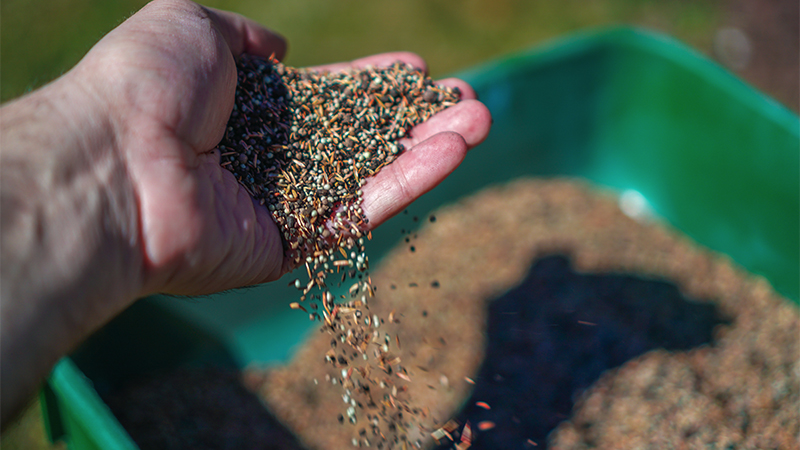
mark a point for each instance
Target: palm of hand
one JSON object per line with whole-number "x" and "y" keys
{"x": 174, "y": 80}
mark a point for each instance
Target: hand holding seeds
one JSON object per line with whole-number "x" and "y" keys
{"x": 308, "y": 144}
{"x": 115, "y": 166}
{"x": 204, "y": 229}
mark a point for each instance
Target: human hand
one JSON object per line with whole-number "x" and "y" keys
{"x": 112, "y": 187}
{"x": 174, "y": 79}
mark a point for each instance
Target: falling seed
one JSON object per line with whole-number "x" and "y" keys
{"x": 295, "y": 305}
{"x": 439, "y": 434}
{"x": 450, "y": 426}
{"x": 483, "y": 405}
{"x": 485, "y": 425}
{"x": 469, "y": 380}
{"x": 466, "y": 434}
{"x": 302, "y": 143}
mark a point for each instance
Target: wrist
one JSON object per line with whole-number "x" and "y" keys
{"x": 70, "y": 238}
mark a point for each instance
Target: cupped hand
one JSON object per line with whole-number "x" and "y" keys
{"x": 168, "y": 76}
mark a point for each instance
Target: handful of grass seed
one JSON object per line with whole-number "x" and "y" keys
{"x": 303, "y": 143}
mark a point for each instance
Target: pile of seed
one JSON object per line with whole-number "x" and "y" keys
{"x": 503, "y": 337}
{"x": 303, "y": 143}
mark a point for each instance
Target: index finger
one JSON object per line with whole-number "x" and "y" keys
{"x": 379, "y": 60}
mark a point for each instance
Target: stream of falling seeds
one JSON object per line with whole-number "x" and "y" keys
{"x": 303, "y": 143}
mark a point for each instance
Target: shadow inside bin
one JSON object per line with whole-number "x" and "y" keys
{"x": 198, "y": 408}
{"x": 173, "y": 385}
{"x": 553, "y": 336}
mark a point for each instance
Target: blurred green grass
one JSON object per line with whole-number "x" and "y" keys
{"x": 40, "y": 39}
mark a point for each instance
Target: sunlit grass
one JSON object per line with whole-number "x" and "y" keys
{"x": 40, "y": 39}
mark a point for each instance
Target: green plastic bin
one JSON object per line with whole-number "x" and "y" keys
{"x": 625, "y": 108}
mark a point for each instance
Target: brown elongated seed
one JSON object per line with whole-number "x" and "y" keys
{"x": 295, "y": 305}
{"x": 486, "y": 425}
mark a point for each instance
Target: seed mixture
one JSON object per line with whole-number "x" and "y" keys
{"x": 303, "y": 143}
{"x": 500, "y": 358}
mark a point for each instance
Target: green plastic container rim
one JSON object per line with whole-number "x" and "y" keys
{"x": 69, "y": 389}
{"x": 665, "y": 46}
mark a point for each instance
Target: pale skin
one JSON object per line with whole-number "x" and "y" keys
{"x": 112, "y": 188}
